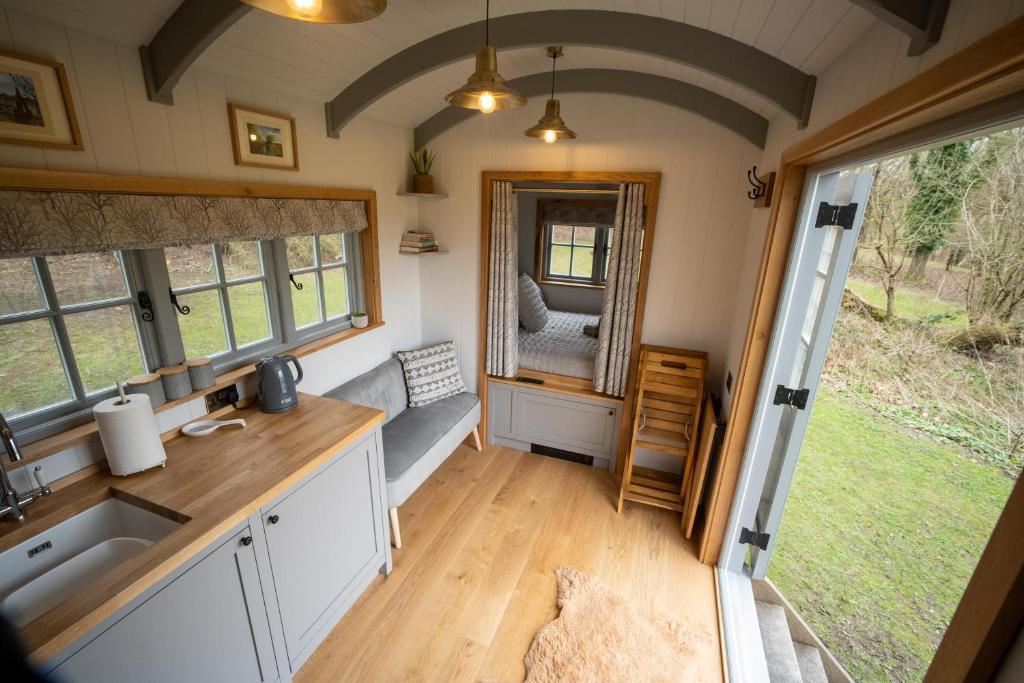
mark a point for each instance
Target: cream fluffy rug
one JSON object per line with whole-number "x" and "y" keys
{"x": 600, "y": 636}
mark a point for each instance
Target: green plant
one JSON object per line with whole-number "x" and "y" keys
{"x": 358, "y": 314}
{"x": 422, "y": 160}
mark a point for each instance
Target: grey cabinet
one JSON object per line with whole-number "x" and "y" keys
{"x": 208, "y": 624}
{"x": 501, "y": 408}
{"x": 322, "y": 539}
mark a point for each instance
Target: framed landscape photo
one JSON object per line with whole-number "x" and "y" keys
{"x": 263, "y": 138}
{"x": 35, "y": 103}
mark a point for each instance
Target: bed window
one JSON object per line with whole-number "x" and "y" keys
{"x": 575, "y": 254}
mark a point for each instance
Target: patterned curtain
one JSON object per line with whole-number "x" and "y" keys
{"x": 618, "y": 312}
{"x": 503, "y": 285}
{"x": 54, "y": 223}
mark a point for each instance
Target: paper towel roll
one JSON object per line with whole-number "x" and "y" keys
{"x": 130, "y": 434}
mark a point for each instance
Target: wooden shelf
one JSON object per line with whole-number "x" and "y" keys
{"x": 427, "y": 195}
{"x": 423, "y": 253}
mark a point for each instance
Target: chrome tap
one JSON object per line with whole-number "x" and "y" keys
{"x": 11, "y": 502}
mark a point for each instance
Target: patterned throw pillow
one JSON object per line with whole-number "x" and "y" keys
{"x": 431, "y": 373}
{"x": 533, "y": 314}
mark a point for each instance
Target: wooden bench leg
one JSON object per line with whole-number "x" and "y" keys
{"x": 476, "y": 438}
{"x": 396, "y": 534}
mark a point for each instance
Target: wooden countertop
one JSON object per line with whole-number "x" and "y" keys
{"x": 211, "y": 484}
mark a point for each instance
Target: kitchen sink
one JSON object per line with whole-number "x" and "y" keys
{"x": 47, "y": 569}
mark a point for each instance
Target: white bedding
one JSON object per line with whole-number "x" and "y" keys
{"x": 560, "y": 347}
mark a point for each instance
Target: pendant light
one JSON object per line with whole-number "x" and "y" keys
{"x": 486, "y": 90}
{"x": 323, "y": 11}
{"x": 551, "y": 127}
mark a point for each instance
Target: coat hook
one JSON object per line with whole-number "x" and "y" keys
{"x": 184, "y": 310}
{"x": 761, "y": 188}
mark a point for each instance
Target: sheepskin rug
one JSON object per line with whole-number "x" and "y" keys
{"x": 600, "y": 636}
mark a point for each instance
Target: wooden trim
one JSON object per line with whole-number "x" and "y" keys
{"x": 652, "y": 181}
{"x": 69, "y": 105}
{"x": 991, "y": 612}
{"x": 233, "y": 110}
{"x": 559, "y": 384}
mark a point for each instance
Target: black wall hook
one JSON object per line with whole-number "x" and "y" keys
{"x": 759, "y": 186}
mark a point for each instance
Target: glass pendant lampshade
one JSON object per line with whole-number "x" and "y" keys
{"x": 323, "y": 11}
{"x": 485, "y": 89}
{"x": 551, "y": 127}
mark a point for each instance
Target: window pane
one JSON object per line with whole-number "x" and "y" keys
{"x": 560, "y": 260}
{"x": 241, "y": 260}
{"x": 332, "y": 249}
{"x": 584, "y": 235}
{"x": 306, "y": 302}
{"x": 300, "y": 252}
{"x": 561, "y": 233}
{"x": 202, "y": 330}
{"x": 336, "y": 292}
{"x": 19, "y": 288}
{"x": 31, "y": 372}
{"x": 249, "y": 317}
{"x": 583, "y": 262}
{"x": 190, "y": 266}
{"x": 106, "y": 346}
{"x": 87, "y": 277}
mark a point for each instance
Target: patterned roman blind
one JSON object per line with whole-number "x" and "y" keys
{"x": 36, "y": 223}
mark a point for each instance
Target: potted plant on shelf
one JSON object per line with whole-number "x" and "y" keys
{"x": 359, "y": 319}
{"x": 422, "y": 160}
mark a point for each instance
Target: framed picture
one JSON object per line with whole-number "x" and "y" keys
{"x": 35, "y": 103}
{"x": 263, "y": 138}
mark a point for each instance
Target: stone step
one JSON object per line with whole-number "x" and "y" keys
{"x": 783, "y": 666}
{"x": 812, "y": 670}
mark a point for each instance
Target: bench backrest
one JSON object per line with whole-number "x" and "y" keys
{"x": 382, "y": 387}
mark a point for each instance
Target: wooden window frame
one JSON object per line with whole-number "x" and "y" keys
{"x": 987, "y": 77}
{"x": 540, "y": 262}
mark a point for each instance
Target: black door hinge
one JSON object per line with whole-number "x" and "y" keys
{"x": 758, "y": 538}
{"x": 830, "y": 214}
{"x": 791, "y": 397}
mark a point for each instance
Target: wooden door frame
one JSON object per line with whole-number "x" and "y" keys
{"x": 983, "y": 73}
{"x": 652, "y": 182}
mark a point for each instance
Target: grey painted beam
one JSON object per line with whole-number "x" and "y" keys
{"x": 180, "y": 41}
{"x": 710, "y": 105}
{"x": 788, "y": 87}
{"x": 922, "y": 20}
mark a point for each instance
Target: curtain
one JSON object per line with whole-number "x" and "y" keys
{"x": 503, "y": 283}
{"x": 618, "y": 311}
{"x": 54, "y": 223}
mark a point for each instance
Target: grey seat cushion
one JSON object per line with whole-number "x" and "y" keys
{"x": 410, "y": 435}
{"x": 382, "y": 388}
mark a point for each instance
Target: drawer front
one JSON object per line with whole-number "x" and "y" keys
{"x": 565, "y": 423}
{"x": 501, "y": 410}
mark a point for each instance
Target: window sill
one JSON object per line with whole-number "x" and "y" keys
{"x": 563, "y": 283}
{"x": 74, "y": 436}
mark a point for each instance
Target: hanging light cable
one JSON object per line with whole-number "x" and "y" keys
{"x": 551, "y": 127}
{"x": 485, "y": 89}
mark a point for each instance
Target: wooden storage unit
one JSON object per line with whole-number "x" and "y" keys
{"x": 669, "y": 399}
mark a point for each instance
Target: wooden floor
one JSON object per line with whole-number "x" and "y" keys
{"x": 474, "y": 579}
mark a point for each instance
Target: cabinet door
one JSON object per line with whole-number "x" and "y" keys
{"x": 565, "y": 423}
{"x": 320, "y": 538}
{"x": 500, "y": 410}
{"x": 209, "y": 624}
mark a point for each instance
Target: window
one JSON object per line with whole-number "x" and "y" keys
{"x": 68, "y": 332}
{"x": 575, "y": 254}
{"x": 323, "y": 284}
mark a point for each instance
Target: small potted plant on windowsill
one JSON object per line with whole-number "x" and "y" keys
{"x": 422, "y": 160}
{"x": 360, "y": 319}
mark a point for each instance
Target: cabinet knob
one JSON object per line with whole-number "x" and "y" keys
{"x": 611, "y": 412}
{"x": 246, "y": 540}
{"x": 273, "y": 519}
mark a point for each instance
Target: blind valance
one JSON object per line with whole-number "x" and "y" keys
{"x": 34, "y": 223}
{"x": 579, "y": 214}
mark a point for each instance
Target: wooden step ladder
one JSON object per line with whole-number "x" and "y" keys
{"x": 666, "y": 417}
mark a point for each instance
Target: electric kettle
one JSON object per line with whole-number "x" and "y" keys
{"x": 276, "y": 390}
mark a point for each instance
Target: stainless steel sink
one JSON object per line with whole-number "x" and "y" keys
{"x": 47, "y": 569}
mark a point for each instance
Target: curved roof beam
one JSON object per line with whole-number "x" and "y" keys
{"x": 710, "y": 105}
{"x": 191, "y": 29}
{"x": 788, "y": 87}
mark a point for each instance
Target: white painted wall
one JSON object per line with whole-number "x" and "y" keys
{"x": 702, "y": 221}
{"x": 873, "y": 65}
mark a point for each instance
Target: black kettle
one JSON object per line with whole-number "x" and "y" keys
{"x": 276, "y": 390}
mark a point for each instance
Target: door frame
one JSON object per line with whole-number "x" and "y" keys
{"x": 983, "y": 75}
{"x": 652, "y": 185}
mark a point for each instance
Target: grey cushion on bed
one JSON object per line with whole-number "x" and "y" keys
{"x": 533, "y": 314}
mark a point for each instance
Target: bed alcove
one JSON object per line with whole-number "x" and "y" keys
{"x": 534, "y": 396}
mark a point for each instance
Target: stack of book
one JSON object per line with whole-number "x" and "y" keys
{"x": 417, "y": 242}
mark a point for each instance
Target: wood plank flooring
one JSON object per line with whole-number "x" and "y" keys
{"x": 474, "y": 579}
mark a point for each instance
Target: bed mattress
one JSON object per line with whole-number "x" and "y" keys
{"x": 560, "y": 347}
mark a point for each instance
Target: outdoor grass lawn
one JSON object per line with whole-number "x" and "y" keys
{"x": 910, "y": 304}
{"x": 880, "y": 534}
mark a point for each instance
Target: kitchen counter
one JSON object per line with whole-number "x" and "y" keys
{"x": 210, "y": 484}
